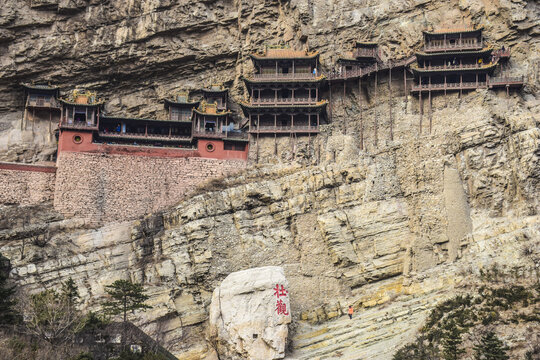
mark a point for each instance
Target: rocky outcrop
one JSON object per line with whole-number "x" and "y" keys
{"x": 250, "y": 313}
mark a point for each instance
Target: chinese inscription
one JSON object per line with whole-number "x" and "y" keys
{"x": 281, "y": 307}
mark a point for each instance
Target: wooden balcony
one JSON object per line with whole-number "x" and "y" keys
{"x": 450, "y": 86}
{"x": 369, "y": 70}
{"x": 288, "y": 76}
{"x": 140, "y": 136}
{"x": 454, "y": 67}
{"x": 373, "y": 53}
{"x": 447, "y": 46}
{"x": 78, "y": 125}
{"x": 43, "y": 103}
{"x": 234, "y": 135}
{"x": 283, "y": 101}
{"x": 506, "y": 81}
{"x": 284, "y": 129}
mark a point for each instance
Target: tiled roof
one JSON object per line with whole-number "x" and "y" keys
{"x": 40, "y": 86}
{"x": 285, "y": 54}
{"x": 443, "y": 31}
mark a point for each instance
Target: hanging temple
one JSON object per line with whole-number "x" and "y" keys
{"x": 284, "y": 98}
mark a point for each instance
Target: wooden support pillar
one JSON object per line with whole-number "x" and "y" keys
{"x": 430, "y": 110}
{"x": 376, "y": 120}
{"x": 330, "y": 105}
{"x": 33, "y": 118}
{"x": 145, "y": 129}
{"x": 343, "y": 102}
{"x": 390, "y": 107}
{"x": 275, "y": 95}
{"x": 420, "y": 107}
{"x": 292, "y": 121}
{"x": 460, "y": 85}
{"x": 275, "y": 121}
{"x": 170, "y": 131}
{"x": 361, "y": 118}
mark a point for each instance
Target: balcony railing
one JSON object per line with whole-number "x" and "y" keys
{"x": 447, "y": 46}
{"x": 43, "y": 103}
{"x": 283, "y": 101}
{"x": 220, "y": 135}
{"x": 501, "y": 53}
{"x": 516, "y": 80}
{"x": 454, "y": 67}
{"x": 78, "y": 125}
{"x": 280, "y": 76}
{"x": 450, "y": 86}
{"x": 277, "y": 129}
{"x": 365, "y": 53}
{"x": 141, "y": 136}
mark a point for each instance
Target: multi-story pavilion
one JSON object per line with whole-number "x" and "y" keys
{"x": 40, "y": 103}
{"x": 284, "y": 93}
{"x": 457, "y": 60}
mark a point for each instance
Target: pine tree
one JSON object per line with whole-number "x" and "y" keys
{"x": 490, "y": 348}
{"x": 70, "y": 292}
{"x": 8, "y": 314}
{"x": 451, "y": 342}
{"x": 126, "y": 296}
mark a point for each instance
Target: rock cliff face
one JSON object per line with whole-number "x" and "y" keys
{"x": 391, "y": 229}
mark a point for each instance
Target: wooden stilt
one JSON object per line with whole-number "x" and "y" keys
{"x": 405, "y": 87}
{"x": 430, "y": 111}
{"x": 376, "y": 120}
{"x": 420, "y": 109}
{"x": 330, "y": 104}
{"x": 343, "y": 102}
{"x": 361, "y": 118}
{"x": 391, "y": 102}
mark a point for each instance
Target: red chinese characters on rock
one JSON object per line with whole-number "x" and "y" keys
{"x": 281, "y": 307}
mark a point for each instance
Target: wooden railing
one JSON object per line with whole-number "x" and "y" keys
{"x": 365, "y": 53}
{"x": 78, "y": 125}
{"x": 446, "y": 46}
{"x": 280, "y": 76}
{"x": 283, "y": 101}
{"x": 454, "y": 67}
{"x": 131, "y": 135}
{"x": 501, "y": 53}
{"x": 43, "y": 103}
{"x": 516, "y": 80}
{"x": 368, "y": 70}
{"x": 302, "y": 128}
{"x": 450, "y": 86}
{"x": 221, "y": 135}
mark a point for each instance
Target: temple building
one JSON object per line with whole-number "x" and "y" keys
{"x": 214, "y": 130}
{"x": 174, "y": 131}
{"x": 79, "y": 119}
{"x": 458, "y": 60}
{"x": 284, "y": 93}
{"x": 40, "y": 104}
{"x": 363, "y": 54}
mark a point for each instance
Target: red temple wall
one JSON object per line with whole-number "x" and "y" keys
{"x": 26, "y": 184}
{"x": 113, "y": 187}
{"x": 211, "y": 149}
{"x": 218, "y": 150}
